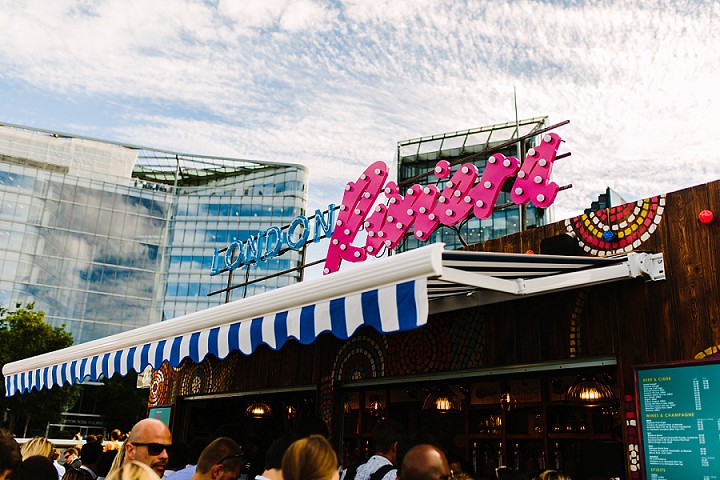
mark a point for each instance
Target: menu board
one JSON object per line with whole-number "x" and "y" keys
{"x": 680, "y": 420}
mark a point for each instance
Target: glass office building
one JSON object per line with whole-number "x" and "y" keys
{"x": 418, "y": 156}
{"x": 105, "y": 237}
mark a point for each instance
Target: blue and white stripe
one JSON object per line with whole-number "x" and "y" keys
{"x": 394, "y": 308}
{"x": 339, "y": 303}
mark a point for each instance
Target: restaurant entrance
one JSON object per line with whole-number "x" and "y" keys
{"x": 563, "y": 416}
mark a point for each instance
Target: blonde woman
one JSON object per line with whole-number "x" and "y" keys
{"x": 133, "y": 471}
{"x": 310, "y": 458}
{"x": 37, "y": 446}
{"x": 119, "y": 459}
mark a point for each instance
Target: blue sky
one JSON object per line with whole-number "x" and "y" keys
{"x": 335, "y": 85}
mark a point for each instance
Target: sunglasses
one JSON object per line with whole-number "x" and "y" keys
{"x": 154, "y": 448}
{"x": 235, "y": 455}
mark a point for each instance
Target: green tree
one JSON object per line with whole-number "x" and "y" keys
{"x": 121, "y": 403}
{"x": 23, "y": 334}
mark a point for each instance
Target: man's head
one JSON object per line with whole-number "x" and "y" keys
{"x": 221, "y": 460}
{"x": 34, "y": 468}
{"x": 70, "y": 454}
{"x": 424, "y": 462}
{"x": 89, "y": 454}
{"x": 148, "y": 443}
{"x": 386, "y": 435}
{"x": 274, "y": 455}
{"x": 10, "y": 457}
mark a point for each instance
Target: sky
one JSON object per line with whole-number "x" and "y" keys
{"x": 334, "y": 85}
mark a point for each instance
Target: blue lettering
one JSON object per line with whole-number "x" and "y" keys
{"x": 234, "y": 250}
{"x": 297, "y": 245}
{"x": 321, "y": 224}
{"x": 268, "y": 244}
{"x": 254, "y": 248}
{"x": 216, "y": 266}
{"x": 275, "y": 238}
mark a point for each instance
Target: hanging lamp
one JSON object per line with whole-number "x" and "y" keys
{"x": 442, "y": 401}
{"x": 590, "y": 391}
{"x": 507, "y": 399}
{"x": 258, "y": 410}
{"x": 376, "y": 408}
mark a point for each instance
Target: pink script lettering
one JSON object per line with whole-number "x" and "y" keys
{"x": 424, "y": 208}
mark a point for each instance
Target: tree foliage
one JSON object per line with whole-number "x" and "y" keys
{"x": 121, "y": 403}
{"x": 23, "y": 334}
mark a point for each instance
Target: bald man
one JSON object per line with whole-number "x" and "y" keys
{"x": 424, "y": 462}
{"x": 149, "y": 442}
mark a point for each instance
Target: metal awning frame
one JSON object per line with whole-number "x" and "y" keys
{"x": 637, "y": 265}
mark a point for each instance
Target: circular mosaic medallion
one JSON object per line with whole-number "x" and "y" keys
{"x": 224, "y": 374}
{"x": 198, "y": 380}
{"x": 361, "y": 357}
{"x": 326, "y": 406}
{"x": 158, "y": 388}
{"x": 710, "y": 352}
{"x": 631, "y": 225}
{"x": 421, "y": 350}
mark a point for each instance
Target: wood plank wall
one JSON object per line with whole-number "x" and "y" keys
{"x": 639, "y": 322}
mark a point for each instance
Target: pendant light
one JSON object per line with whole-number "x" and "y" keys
{"x": 590, "y": 391}
{"x": 258, "y": 410}
{"x": 507, "y": 399}
{"x": 376, "y": 408}
{"x": 442, "y": 401}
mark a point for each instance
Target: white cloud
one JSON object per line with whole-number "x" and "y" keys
{"x": 336, "y": 85}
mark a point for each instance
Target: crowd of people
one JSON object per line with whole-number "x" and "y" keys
{"x": 147, "y": 453}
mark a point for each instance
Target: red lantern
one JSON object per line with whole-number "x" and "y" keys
{"x": 706, "y": 216}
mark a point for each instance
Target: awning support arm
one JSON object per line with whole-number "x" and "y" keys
{"x": 454, "y": 275}
{"x": 636, "y": 265}
{"x": 645, "y": 265}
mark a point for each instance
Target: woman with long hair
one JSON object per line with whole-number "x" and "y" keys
{"x": 119, "y": 458}
{"x": 310, "y": 458}
{"x": 37, "y": 446}
{"x": 133, "y": 471}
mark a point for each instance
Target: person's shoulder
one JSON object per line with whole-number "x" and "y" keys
{"x": 184, "y": 474}
{"x": 374, "y": 463}
{"x": 390, "y": 471}
{"x": 391, "y": 475}
{"x": 87, "y": 473}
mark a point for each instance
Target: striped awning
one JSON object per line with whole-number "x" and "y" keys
{"x": 391, "y": 295}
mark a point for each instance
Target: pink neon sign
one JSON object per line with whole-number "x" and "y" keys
{"x": 425, "y": 208}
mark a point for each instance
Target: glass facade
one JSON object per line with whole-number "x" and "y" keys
{"x": 418, "y": 156}
{"x": 213, "y": 216}
{"x": 106, "y": 237}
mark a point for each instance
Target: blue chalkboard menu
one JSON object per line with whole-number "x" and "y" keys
{"x": 679, "y": 407}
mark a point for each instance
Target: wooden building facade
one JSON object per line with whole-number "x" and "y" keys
{"x": 529, "y": 352}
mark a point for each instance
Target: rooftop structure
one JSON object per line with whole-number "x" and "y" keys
{"x": 418, "y": 156}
